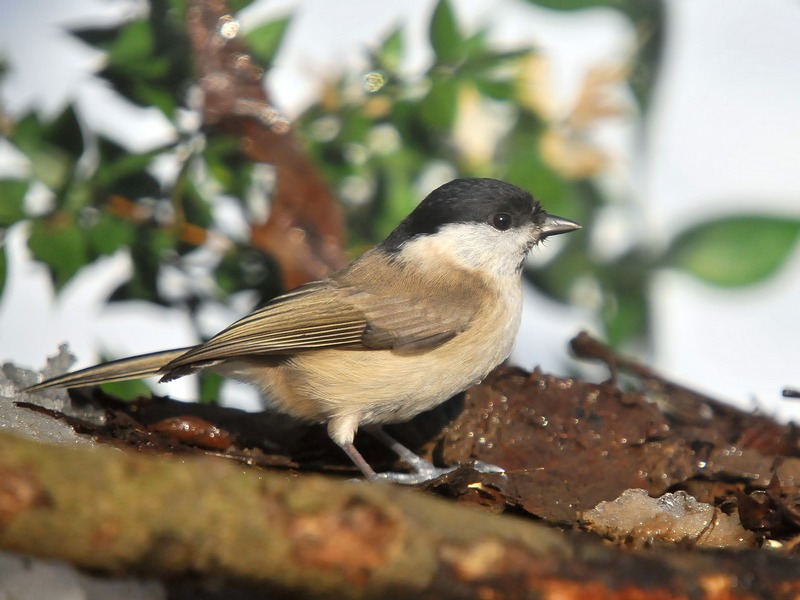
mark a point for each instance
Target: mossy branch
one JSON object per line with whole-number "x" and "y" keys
{"x": 123, "y": 512}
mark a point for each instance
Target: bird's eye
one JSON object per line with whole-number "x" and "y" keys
{"x": 502, "y": 221}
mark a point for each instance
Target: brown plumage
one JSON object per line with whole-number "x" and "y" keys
{"x": 415, "y": 320}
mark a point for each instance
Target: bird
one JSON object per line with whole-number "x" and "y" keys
{"x": 420, "y": 317}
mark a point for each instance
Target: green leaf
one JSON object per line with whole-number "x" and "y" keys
{"x": 3, "y": 266}
{"x": 210, "y": 387}
{"x": 178, "y": 8}
{"x": 133, "y": 52}
{"x": 196, "y": 210}
{"x": 235, "y": 6}
{"x": 50, "y": 164}
{"x": 110, "y": 233}
{"x": 495, "y": 88}
{"x": 119, "y": 167}
{"x": 627, "y": 319}
{"x": 12, "y": 200}
{"x": 134, "y": 42}
{"x": 61, "y": 245}
{"x": 150, "y": 249}
{"x": 570, "y": 5}
{"x": 476, "y": 48}
{"x": 735, "y": 251}
{"x": 155, "y": 95}
{"x": 399, "y": 199}
{"x": 123, "y": 173}
{"x": 438, "y": 109}
{"x": 525, "y": 167}
{"x": 390, "y": 55}
{"x": 75, "y": 197}
{"x": 127, "y": 390}
{"x": 265, "y": 40}
{"x": 65, "y": 133}
{"x": 445, "y": 37}
{"x": 101, "y": 37}
{"x": 226, "y": 164}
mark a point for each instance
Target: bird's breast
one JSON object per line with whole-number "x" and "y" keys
{"x": 384, "y": 386}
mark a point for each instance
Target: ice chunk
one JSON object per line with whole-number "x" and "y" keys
{"x": 29, "y": 423}
{"x": 637, "y": 519}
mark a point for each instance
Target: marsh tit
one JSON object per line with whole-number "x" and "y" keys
{"x": 420, "y": 317}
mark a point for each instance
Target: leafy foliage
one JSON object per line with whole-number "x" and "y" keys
{"x": 265, "y": 40}
{"x": 380, "y": 136}
{"x": 375, "y": 142}
{"x": 735, "y": 251}
{"x": 12, "y": 191}
{"x": 3, "y": 264}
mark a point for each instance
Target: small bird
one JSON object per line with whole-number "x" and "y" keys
{"x": 420, "y": 317}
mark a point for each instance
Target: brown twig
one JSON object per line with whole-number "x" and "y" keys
{"x": 686, "y": 403}
{"x": 305, "y": 229}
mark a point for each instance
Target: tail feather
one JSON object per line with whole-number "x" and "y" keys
{"x": 135, "y": 367}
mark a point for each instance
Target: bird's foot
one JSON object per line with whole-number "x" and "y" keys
{"x": 423, "y": 471}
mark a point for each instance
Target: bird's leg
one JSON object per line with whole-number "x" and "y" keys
{"x": 423, "y": 469}
{"x": 358, "y": 460}
{"x": 342, "y": 429}
{"x": 414, "y": 460}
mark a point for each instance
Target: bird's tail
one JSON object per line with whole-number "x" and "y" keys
{"x": 135, "y": 367}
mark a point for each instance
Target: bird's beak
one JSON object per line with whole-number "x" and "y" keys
{"x": 555, "y": 225}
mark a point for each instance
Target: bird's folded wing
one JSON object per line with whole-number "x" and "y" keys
{"x": 123, "y": 369}
{"x": 324, "y": 315}
{"x": 402, "y": 323}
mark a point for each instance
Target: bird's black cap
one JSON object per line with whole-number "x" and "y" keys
{"x": 472, "y": 200}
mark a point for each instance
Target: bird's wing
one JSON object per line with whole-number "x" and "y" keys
{"x": 402, "y": 323}
{"x": 124, "y": 369}
{"x": 327, "y": 314}
{"x": 307, "y": 318}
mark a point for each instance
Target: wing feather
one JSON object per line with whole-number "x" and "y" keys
{"x": 308, "y": 318}
{"x": 134, "y": 367}
{"x": 337, "y": 313}
{"x": 352, "y": 310}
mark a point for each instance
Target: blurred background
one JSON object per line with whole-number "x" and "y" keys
{"x": 165, "y": 167}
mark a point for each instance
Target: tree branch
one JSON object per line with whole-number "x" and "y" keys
{"x": 122, "y": 512}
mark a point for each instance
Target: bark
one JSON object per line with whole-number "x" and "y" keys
{"x": 209, "y": 519}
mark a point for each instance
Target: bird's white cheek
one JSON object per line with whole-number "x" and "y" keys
{"x": 472, "y": 246}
